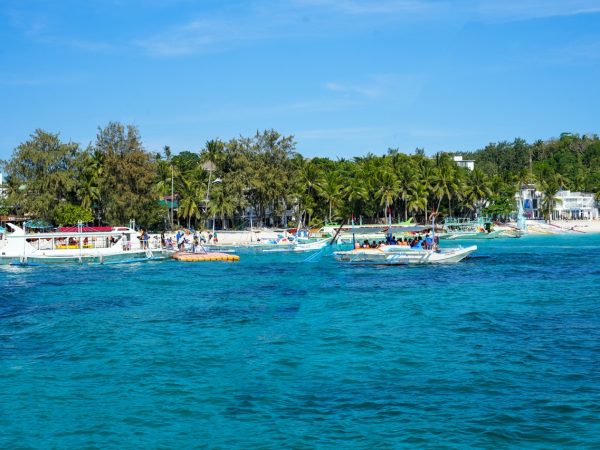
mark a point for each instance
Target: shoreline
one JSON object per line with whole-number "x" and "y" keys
{"x": 264, "y": 235}
{"x": 563, "y": 226}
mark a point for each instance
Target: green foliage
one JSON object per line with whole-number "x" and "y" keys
{"x": 128, "y": 176}
{"x": 263, "y": 175}
{"x": 40, "y": 174}
{"x": 68, "y": 214}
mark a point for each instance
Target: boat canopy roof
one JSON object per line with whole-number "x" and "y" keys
{"x": 84, "y": 229}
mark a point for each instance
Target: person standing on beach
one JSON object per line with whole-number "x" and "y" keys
{"x": 181, "y": 241}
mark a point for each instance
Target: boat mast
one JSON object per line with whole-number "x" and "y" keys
{"x": 172, "y": 197}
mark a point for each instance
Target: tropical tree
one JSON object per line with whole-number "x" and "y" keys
{"x": 221, "y": 203}
{"x": 164, "y": 184}
{"x": 69, "y": 214}
{"x": 191, "y": 193}
{"x": 416, "y": 198}
{"x": 550, "y": 187}
{"x": 389, "y": 188}
{"x": 354, "y": 194}
{"x": 445, "y": 184}
{"x": 128, "y": 177}
{"x": 41, "y": 174}
{"x": 91, "y": 166}
{"x": 477, "y": 189}
{"x": 329, "y": 189}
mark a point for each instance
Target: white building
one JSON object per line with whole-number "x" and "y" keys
{"x": 567, "y": 205}
{"x": 532, "y": 202}
{"x": 574, "y": 205}
{"x": 467, "y": 163}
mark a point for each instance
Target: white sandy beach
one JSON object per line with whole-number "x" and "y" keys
{"x": 563, "y": 226}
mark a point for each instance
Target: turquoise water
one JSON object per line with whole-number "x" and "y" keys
{"x": 502, "y": 350}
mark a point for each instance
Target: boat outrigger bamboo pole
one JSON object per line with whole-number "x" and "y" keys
{"x": 336, "y": 234}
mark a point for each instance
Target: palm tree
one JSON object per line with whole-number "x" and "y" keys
{"x": 214, "y": 153}
{"x": 329, "y": 189}
{"x": 426, "y": 176}
{"x": 405, "y": 176}
{"x": 550, "y": 184}
{"x": 88, "y": 191}
{"x": 417, "y": 197}
{"x": 389, "y": 188}
{"x": 191, "y": 194}
{"x": 477, "y": 188}
{"x": 445, "y": 183}
{"x": 221, "y": 203}
{"x": 354, "y": 193}
{"x": 88, "y": 187}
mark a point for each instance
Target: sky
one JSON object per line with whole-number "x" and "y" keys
{"x": 344, "y": 77}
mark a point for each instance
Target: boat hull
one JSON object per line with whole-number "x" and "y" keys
{"x": 455, "y": 236}
{"x": 124, "y": 257}
{"x": 403, "y": 256}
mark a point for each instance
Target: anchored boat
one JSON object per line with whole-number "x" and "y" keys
{"x": 460, "y": 228}
{"x": 95, "y": 245}
{"x": 402, "y": 255}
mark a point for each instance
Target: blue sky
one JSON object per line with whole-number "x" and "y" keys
{"x": 345, "y": 77}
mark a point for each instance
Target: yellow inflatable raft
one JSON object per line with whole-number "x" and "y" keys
{"x": 194, "y": 257}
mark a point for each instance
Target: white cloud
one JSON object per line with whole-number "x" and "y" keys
{"x": 343, "y": 133}
{"x": 534, "y": 9}
{"x": 370, "y": 91}
{"x": 372, "y": 6}
{"x": 196, "y": 36}
{"x": 402, "y": 88}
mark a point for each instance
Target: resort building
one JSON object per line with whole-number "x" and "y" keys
{"x": 532, "y": 202}
{"x": 574, "y": 206}
{"x": 466, "y": 163}
{"x": 567, "y": 205}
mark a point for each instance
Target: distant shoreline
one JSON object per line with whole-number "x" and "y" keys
{"x": 584, "y": 226}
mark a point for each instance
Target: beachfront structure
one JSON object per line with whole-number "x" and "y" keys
{"x": 466, "y": 163}
{"x": 532, "y": 202}
{"x": 574, "y": 205}
{"x": 567, "y": 205}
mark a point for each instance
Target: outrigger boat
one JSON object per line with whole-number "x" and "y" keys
{"x": 405, "y": 255}
{"x": 352, "y": 229}
{"x": 303, "y": 246}
{"x": 458, "y": 228}
{"x": 401, "y": 255}
{"x": 88, "y": 245}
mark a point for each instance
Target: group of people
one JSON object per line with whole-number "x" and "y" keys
{"x": 144, "y": 237}
{"x": 427, "y": 243}
{"x": 186, "y": 238}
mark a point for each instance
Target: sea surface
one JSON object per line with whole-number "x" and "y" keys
{"x": 498, "y": 351}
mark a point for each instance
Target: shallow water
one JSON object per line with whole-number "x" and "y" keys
{"x": 502, "y": 350}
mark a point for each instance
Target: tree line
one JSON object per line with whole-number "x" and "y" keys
{"x": 264, "y": 179}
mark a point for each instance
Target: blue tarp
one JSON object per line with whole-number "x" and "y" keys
{"x": 37, "y": 224}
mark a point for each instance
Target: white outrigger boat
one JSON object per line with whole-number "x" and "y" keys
{"x": 405, "y": 255}
{"x": 402, "y": 255}
{"x": 458, "y": 228}
{"x": 303, "y": 246}
{"x": 88, "y": 245}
